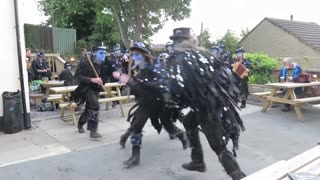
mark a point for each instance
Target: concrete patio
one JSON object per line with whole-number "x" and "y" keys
{"x": 269, "y": 137}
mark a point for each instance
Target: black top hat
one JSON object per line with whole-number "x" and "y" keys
{"x": 214, "y": 47}
{"x": 139, "y": 46}
{"x": 183, "y": 33}
{"x": 221, "y": 45}
{"x": 67, "y": 64}
{"x": 100, "y": 48}
{"x": 169, "y": 44}
{"x": 116, "y": 47}
{"x": 239, "y": 50}
{"x": 40, "y": 54}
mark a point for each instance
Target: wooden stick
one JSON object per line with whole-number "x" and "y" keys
{"x": 130, "y": 66}
{"x": 94, "y": 70}
{"x": 129, "y": 73}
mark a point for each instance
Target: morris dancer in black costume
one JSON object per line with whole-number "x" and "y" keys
{"x": 206, "y": 85}
{"x": 148, "y": 88}
{"x": 89, "y": 88}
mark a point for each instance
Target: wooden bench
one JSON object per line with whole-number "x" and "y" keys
{"x": 37, "y": 98}
{"x": 308, "y": 99}
{"x": 317, "y": 106}
{"x": 120, "y": 99}
{"x": 296, "y": 103}
{"x": 55, "y": 99}
{"x": 300, "y": 101}
{"x": 307, "y": 162}
{"x": 72, "y": 106}
{"x": 264, "y": 94}
{"x": 105, "y": 93}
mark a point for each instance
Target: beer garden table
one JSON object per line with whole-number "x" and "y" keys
{"x": 50, "y": 84}
{"x": 290, "y": 97}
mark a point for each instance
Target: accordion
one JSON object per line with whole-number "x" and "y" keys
{"x": 240, "y": 70}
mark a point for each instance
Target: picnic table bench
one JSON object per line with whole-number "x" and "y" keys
{"x": 289, "y": 97}
{"x": 37, "y": 98}
{"x": 72, "y": 106}
{"x": 307, "y": 162}
{"x": 317, "y": 106}
{"x": 55, "y": 99}
{"x": 264, "y": 94}
{"x": 49, "y": 84}
{"x": 109, "y": 96}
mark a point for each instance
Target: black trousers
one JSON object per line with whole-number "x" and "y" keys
{"x": 155, "y": 113}
{"x": 91, "y": 111}
{"x": 213, "y": 131}
{"x": 244, "y": 89}
{"x": 167, "y": 118}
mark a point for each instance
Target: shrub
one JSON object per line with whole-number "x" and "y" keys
{"x": 261, "y": 68}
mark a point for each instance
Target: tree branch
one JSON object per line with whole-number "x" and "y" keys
{"x": 123, "y": 29}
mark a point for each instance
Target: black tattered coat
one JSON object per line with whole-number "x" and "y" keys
{"x": 206, "y": 85}
{"x": 148, "y": 87}
{"x": 84, "y": 73}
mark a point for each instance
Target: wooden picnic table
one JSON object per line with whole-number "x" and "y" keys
{"x": 306, "y": 162}
{"x": 110, "y": 85}
{"x": 68, "y": 89}
{"x": 65, "y": 90}
{"x": 50, "y": 84}
{"x": 289, "y": 97}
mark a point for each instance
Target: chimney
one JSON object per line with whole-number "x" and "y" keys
{"x": 291, "y": 17}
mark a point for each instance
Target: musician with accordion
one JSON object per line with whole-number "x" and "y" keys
{"x": 240, "y": 67}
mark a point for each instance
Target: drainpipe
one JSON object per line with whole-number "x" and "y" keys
{"x": 27, "y": 123}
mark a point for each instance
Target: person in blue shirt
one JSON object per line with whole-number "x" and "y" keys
{"x": 290, "y": 72}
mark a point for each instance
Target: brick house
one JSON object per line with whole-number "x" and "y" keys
{"x": 281, "y": 38}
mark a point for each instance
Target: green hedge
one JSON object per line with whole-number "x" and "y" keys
{"x": 261, "y": 68}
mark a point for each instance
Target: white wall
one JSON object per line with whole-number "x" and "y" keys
{"x": 9, "y": 67}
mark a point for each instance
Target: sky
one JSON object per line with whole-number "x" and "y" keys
{"x": 219, "y": 16}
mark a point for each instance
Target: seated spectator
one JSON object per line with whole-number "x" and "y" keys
{"x": 29, "y": 65}
{"x": 290, "y": 72}
{"x": 40, "y": 67}
{"x": 83, "y": 57}
{"x": 66, "y": 75}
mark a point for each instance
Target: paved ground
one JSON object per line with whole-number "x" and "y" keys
{"x": 269, "y": 137}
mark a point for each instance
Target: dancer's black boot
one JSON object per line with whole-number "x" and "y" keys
{"x": 123, "y": 139}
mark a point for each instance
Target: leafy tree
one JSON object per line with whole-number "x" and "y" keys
{"x": 135, "y": 20}
{"x": 138, "y": 20}
{"x": 204, "y": 39}
{"x": 78, "y": 14}
{"x": 105, "y": 29}
{"x": 244, "y": 32}
{"x": 230, "y": 41}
